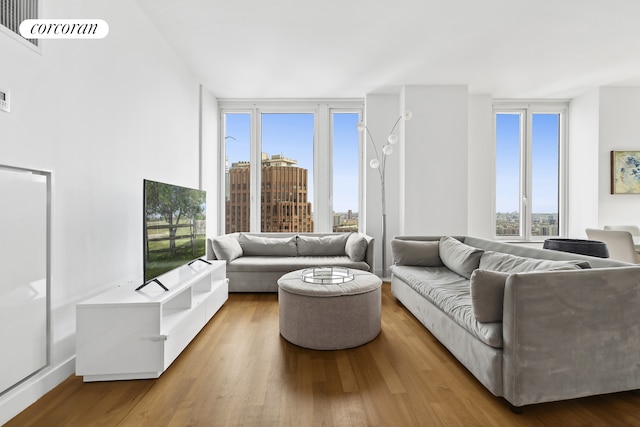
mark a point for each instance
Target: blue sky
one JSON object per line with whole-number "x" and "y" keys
{"x": 345, "y": 162}
{"x": 544, "y": 163}
{"x": 291, "y": 135}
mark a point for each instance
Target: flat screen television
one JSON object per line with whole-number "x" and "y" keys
{"x": 174, "y": 228}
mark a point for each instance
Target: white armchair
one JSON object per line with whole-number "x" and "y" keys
{"x": 619, "y": 243}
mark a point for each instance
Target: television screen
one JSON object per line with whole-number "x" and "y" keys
{"x": 174, "y": 227}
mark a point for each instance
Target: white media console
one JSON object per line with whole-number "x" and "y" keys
{"x": 126, "y": 334}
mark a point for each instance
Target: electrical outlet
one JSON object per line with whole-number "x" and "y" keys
{"x": 4, "y": 100}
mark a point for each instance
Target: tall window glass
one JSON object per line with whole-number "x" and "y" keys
{"x": 508, "y": 184}
{"x": 237, "y": 174}
{"x": 545, "y": 147}
{"x": 345, "y": 171}
{"x": 287, "y": 172}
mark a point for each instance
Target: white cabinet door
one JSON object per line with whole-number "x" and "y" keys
{"x": 23, "y": 275}
{"x": 115, "y": 340}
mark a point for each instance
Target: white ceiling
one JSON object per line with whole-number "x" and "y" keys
{"x": 348, "y": 48}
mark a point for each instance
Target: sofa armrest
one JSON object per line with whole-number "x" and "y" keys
{"x": 369, "y": 255}
{"x": 210, "y": 253}
{"x": 569, "y": 334}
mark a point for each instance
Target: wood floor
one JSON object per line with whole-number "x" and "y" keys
{"x": 239, "y": 371}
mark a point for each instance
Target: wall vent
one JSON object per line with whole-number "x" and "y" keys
{"x": 13, "y": 12}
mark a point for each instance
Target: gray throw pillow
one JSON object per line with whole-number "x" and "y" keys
{"x": 227, "y": 248}
{"x": 267, "y": 246}
{"x": 418, "y": 253}
{"x": 498, "y": 261}
{"x": 458, "y": 257}
{"x": 487, "y": 295}
{"x": 333, "y": 245}
{"x": 356, "y": 247}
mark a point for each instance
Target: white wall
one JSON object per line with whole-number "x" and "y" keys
{"x": 209, "y": 163}
{"x": 602, "y": 120}
{"x": 618, "y": 118}
{"x": 101, "y": 115}
{"x": 583, "y": 170}
{"x": 481, "y": 167}
{"x": 435, "y": 165}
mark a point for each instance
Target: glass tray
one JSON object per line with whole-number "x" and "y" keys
{"x": 327, "y": 275}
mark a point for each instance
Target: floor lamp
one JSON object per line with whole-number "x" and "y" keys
{"x": 380, "y": 165}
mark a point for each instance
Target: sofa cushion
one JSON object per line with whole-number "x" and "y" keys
{"x": 226, "y": 247}
{"x": 264, "y": 264}
{"x": 498, "y": 261}
{"x": 322, "y": 245}
{"x": 267, "y": 246}
{"x": 487, "y": 294}
{"x": 450, "y": 293}
{"x": 356, "y": 247}
{"x": 458, "y": 257}
{"x": 419, "y": 253}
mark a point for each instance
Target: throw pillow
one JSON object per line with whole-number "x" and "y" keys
{"x": 487, "y": 295}
{"x": 458, "y": 257}
{"x": 498, "y": 261}
{"x": 227, "y": 248}
{"x": 267, "y": 246}
{"x": 356, "y": 247}
{"x": 418, "y": 253}
{"x": 333, "y": 245}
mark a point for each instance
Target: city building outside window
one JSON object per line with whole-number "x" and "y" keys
{"x": 308, "y": 175}
{"x": 530, "y": 142}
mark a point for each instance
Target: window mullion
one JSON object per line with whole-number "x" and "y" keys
{"x": 256, "y": 170}
{"x": 322, "y": 197}
{"x": 527, "y": 175}
{"x": 563, "y": 166}
{"x": 222, "y": 166}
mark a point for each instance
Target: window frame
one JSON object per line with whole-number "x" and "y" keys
{"x": 323, "y": 110}
{"x": 528, "y": 109}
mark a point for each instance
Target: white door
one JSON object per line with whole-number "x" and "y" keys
{"x": 23, "y": 275}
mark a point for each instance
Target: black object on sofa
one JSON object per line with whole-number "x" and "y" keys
{"x": 578, "y": 246}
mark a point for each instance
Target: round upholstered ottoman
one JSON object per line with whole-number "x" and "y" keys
{"x": 329, "y": 316}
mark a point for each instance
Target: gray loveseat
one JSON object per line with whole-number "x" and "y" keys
{"x": 532, "y": 325}
{"x": 255, "y": 261}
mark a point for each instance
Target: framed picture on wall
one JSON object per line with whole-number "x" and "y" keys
{"x": 625, "y": 172}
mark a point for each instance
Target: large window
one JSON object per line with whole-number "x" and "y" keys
{"x": 529, "y": 192}
{"x": 290, "y": 166}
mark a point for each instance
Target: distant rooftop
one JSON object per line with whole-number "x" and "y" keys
{"x": 275, "y": 160}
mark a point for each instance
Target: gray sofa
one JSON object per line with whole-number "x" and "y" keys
{"x": 532, "y": 325}
{"x": 255, "y": 261}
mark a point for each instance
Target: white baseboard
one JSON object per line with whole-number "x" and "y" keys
{"x": 27, "y": 393}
